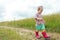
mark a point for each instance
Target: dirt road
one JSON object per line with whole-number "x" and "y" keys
{"x": 29, "y": 34}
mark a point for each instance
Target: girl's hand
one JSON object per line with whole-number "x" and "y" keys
{"x": 39, "y": 18}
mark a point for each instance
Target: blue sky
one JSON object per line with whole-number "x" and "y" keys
{"x": 20, "y": 9}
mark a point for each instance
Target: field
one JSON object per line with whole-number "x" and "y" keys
{"x": 8, "y": 34}
{"x": 52, "y": 23}
{"x": 12, "y": 33}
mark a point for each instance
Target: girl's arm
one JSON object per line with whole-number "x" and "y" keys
{"x": 35, "y": 19}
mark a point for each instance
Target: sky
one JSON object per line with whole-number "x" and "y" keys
{"x": 21, "y": 9}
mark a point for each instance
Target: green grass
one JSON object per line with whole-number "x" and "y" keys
{"x": 8, "y": 34}
{"x": 52, "y": 23}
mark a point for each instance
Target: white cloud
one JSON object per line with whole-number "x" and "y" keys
{"x": 27, "y": 7}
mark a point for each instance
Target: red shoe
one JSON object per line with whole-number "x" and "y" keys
{"x": 38, "y": 37}
{"x": 45, "y": 35}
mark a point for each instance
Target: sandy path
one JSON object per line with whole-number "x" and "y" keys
{"x": 30, "y": 34}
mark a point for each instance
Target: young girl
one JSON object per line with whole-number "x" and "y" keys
{"x": 40, "y": 23}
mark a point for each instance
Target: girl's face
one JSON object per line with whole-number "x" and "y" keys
{"x": 40, "y": 11}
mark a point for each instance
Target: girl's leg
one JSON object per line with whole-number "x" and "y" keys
{"x": 37, "y": 34}
{"x": 37, "y": 31}
{"x": 44, "y": 31}
{"x": 45, "y": 35}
